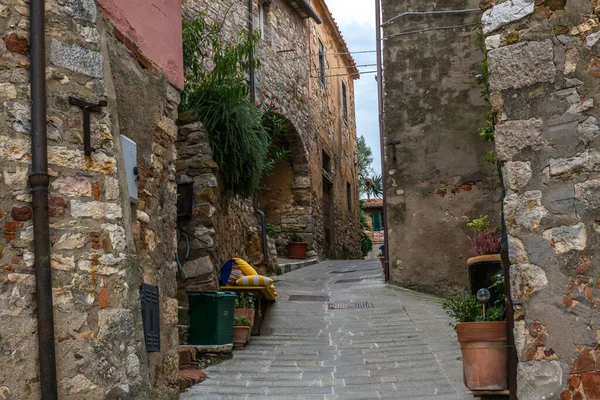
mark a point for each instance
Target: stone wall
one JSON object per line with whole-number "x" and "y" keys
{"x": 437, "y": 181}
{"x": 102, "y": 248}
{"x": 545, "y": 81}
{"x": 285, "y": 78}
{"x": 335, "y": 136}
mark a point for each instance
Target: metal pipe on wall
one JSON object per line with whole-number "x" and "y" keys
{"x": 39, "y": 181}
{"x": 386, "y": 247}
{"x": 251, "y": 78}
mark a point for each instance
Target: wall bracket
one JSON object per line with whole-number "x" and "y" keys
{"x": 87, "y": 108}
{"x": 393, "y": 144}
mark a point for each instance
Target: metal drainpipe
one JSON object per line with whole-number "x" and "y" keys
{"x": 386, "y": 268}
{"x": 251, "y": 78}
{"x": 39, "y": 181}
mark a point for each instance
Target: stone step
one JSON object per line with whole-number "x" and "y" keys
{"x": 288, "y": 265}
{"x": 190, "y": 377}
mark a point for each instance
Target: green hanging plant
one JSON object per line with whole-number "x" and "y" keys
{"x": 242, "y": 135}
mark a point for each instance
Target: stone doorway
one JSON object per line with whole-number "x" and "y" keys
{"x": 285, "y": 197}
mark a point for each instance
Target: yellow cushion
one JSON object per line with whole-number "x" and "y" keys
{"x": 255, "y": 280}
{"x": 245, "y": 267}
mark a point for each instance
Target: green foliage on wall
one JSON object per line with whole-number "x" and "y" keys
{"x": 242, "y": 134}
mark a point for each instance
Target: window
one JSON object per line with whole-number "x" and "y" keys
{"x": 326, "y": 161}
{"x": 376, "y": 221}
{"x": 344, "y": 101}
{"x": 322, "y": 63}
{"x": 261, "y": 19}
{"x": 349, "y": 195}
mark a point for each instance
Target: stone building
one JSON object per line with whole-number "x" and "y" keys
{"x": 308, "y": 73}
{"x": 545, "y": 81}
{"x": 436, "y": 177}
{"x": 127, "y": 53}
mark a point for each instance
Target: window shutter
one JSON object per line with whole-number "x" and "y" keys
{"x": 376, "y": 217}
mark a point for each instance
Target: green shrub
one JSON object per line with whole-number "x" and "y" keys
{"x": 366, "y": 244}
{"x": 242, "y": 135}
{"x": 241, "y": 321}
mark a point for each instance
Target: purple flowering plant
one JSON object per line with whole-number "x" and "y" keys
{"x": 486, "y": 238}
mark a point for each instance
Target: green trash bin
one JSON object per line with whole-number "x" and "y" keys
{"x": 211, "y": 317}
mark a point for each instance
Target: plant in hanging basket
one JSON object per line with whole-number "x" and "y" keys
{"x": 483, "y": 338}
{"x": 486, "y": 239}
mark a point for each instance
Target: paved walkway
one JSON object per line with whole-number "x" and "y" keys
{"x": 402, "y": 348}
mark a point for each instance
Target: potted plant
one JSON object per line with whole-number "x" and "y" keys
{"x": 485, "y": 262}
{"x": 244, "y": 307}
{"x": 486, "y": 240}
{"x": 241, "y": 332}
{"x": 381, "y": 255}
{"x": 482, "y": 336}
{"x": 297, "y": 247}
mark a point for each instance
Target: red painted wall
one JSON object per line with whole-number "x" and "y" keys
{"x": 155, "y": 27}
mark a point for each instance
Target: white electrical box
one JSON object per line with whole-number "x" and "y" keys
{"x": 129, "y": 148}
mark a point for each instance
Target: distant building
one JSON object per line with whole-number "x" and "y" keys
{"x": 374, "y": 212}
{"x": 308, "y": 73}
{"x": 437, "y": 179}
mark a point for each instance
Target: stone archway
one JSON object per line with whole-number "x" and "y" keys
{"x": 286, "y": 194}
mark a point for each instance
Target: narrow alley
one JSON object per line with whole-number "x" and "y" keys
{"x": 398, "y": 344}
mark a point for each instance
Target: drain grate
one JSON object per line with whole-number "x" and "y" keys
{"x": 350, "y": 305}
{"x": 303, "y": 297}
{"x": 348, "y": 280}
{"x": 346, "y": 271}
{"x": 267, "y": 331}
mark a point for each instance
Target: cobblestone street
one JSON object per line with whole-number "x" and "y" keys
{"x": 401, "y": 348}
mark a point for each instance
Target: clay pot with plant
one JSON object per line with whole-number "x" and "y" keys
{"x": 241, "y": 332}
{"x": 244, "y": 307}
{"x": 485, "y": 262}
{"x": 482, "y": 335}
{"x": 297, "y": 247}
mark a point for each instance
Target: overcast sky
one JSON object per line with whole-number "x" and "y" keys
{"x": 356, "y": 19}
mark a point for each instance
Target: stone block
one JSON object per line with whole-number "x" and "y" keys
{"x": 70, "y": 241}
{"x": 525, "y": 280}
{"x": 514, "y": 136}
{"x": 76, "y": 58}
{"x": 588, "y": 130}
{"x": 539, "y": 379}
{"x": 567, "y": 238}
{"x": 521, "y": 65}
{"x": 516, "y": 251}
{"x": 79, "y": 385}
{"x": 560, "y": 199}
{"x": 505, "y": 13}
{"x": 589, "y": 193}
{"x": 198, "y": 267}
{"x": 80, "y": 9}
{"x": 587, "y": 161}
{"x": 524, "y": 211}
{"x": 62, "y": 263}
{"x": 72, "y": 186}
{"x": 21, "y": 213}
{"x": 111, "y": 188}
{"x": 96, "y": 210}
{"x": 517, "y": 174}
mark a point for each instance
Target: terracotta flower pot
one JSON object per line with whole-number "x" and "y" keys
{"x": 484, "y": 351}
{"x": 245, "y": 312}
{"x": 240, "y": 336}
{"x": 297, "y": 249}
